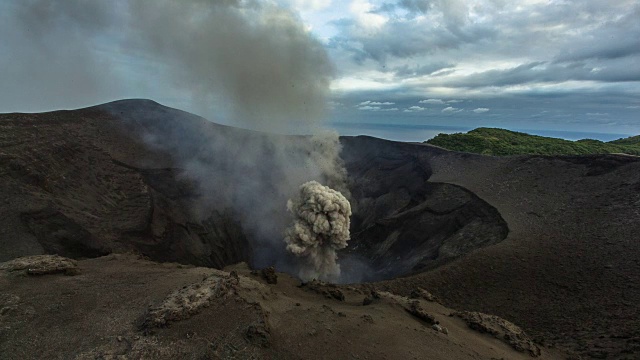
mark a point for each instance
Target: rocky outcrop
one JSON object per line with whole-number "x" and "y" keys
{"x": 500, "y": 329}
{"x": 188, "y": 301}
{"x": 41, "y": 265}
{"x": 414, "y": 308}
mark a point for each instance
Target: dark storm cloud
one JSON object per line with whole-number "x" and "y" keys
{"x": 414, "y": 42}
{"x": 406, "y": 37}
{"x": 457, "y": 31}
{"x": 608, "y": 50}
{"x": 516, "y": 59}
{"x": 455, "y": 12}
{"x": 617, "y": 37}
{"x": 546, "y": 72}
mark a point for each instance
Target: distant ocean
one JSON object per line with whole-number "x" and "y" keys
{"x": 420, "y": 133}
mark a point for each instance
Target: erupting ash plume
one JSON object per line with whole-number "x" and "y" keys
{"x": 247, "y": 63}
{"x": 320, "y": 227}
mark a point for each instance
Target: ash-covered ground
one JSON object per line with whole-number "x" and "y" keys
{"x": 544, "y": 242}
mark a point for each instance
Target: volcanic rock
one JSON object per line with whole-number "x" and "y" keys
{"x": 416, "y": 310}
{"x": 501, "y": 329}
{"x": 422, "y": 294}
{"x": 269, "y": 275}
{"x": 41, "y": 265}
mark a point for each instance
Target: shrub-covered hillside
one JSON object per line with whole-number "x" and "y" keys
{"x": 633, "y": 140}
{"x": 491, "y": 141}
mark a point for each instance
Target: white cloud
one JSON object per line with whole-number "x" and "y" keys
{"x": 309, "y": 5}
{"x": 633, "y": 107}
{"x": 450, "y": 110}
{"x": 431, "y": 101}
{"x": 362, "y": 11}
{"x": 368, "y": 102}
{"x": 375, "y": 108}
{"x": 454, "y": 101}
{"x": 480, "y": 110}
{"x": 414, "y": 109}
{"x": 354, "y": 84}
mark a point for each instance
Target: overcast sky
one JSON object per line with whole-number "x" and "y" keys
{"x": 399, "y": 69}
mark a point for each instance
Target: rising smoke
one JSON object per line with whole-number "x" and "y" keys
{"x": 320, "y": 228}
{"x": 245, "y": 62}
{"x": 252, "y": 59}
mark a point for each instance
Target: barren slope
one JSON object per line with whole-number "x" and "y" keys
{"x": 549, "y": 243}
{"x": 569, "y": 271}
{"x": 120, "y": 306}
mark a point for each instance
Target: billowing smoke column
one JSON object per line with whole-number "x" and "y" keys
{"x": 249, "y": 63}
{"x": 320, "y": 228}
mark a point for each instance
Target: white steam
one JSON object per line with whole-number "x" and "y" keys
{"x": 320, "y": 228}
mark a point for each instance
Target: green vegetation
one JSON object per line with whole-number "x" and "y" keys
{"x": 490, "y": 141}
{"x": 633, "y": 140}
